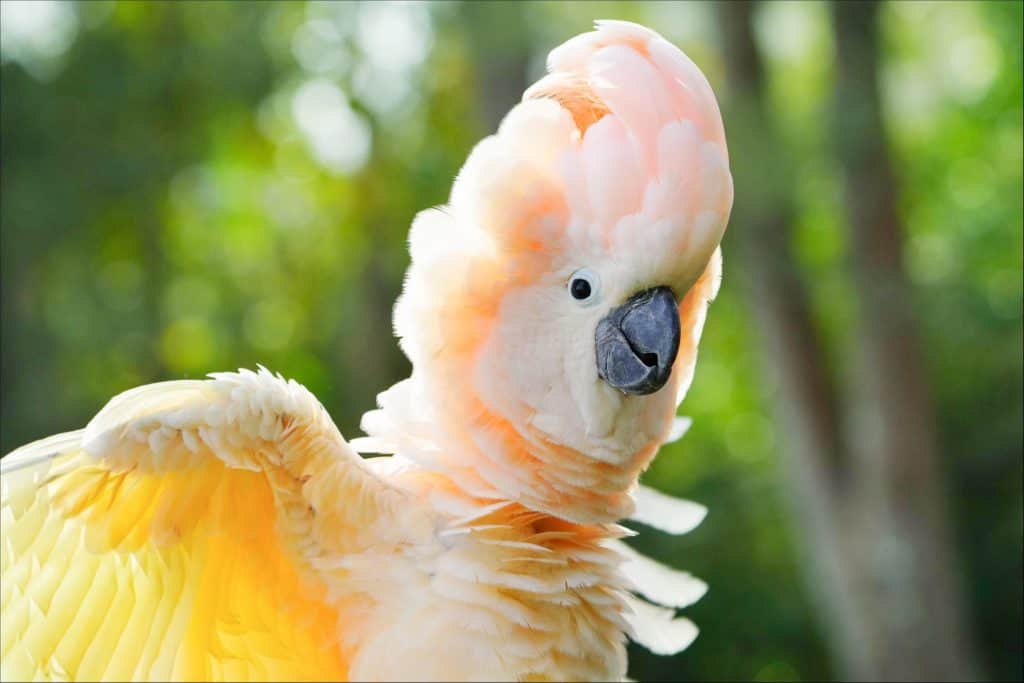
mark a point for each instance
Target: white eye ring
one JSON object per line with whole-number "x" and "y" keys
{"x": 584, "y": 287}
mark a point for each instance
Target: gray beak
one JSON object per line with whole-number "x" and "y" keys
{"x": 638, "y": 341}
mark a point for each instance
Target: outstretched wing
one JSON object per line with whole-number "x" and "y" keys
{"x": 186, "y": 534}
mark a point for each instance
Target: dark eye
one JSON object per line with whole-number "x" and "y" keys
{"x": 584, "y": 286}
{"x": 580, "y": 289}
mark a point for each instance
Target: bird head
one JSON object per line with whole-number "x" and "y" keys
{"x": 553, "y": 307}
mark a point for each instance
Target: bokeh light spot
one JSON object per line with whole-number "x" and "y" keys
{"x": 338, "y": 137}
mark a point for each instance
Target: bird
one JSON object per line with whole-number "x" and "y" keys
{"x": 224, "y": 529}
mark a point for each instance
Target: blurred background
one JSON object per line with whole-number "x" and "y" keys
{"x": 192, "y": 187}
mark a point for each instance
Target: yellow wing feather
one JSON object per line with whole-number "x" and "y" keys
{"x": 176, "y": 538}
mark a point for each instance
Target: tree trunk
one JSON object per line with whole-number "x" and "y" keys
{"x": 918, "y": 629}
{"x": 499, "y": 41}
{"x": 791, "y": 351}
{"x": 866, "y": 499}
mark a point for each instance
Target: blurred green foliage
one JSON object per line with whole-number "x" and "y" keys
{"x": 192, "y": 187}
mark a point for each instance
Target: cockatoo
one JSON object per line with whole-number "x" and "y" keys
{"x": 223, "y": 529}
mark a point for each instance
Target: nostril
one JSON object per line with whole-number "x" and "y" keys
{"x": 649, "y": 359}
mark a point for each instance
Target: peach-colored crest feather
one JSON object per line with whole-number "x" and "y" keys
{"x": 573, "y": 93}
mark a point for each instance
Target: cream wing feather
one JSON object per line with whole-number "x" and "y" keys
{"x": 184, "y": 534}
